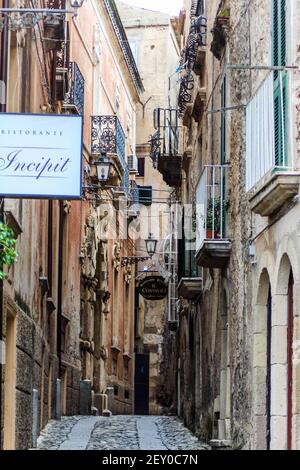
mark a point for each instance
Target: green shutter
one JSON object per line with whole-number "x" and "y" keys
{"x": 279, "y": 32}
{"x": 279, "y": 52}
{"x": 280, "y": 123}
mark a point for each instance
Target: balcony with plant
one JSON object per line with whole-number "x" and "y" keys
{"x": 213, "y": 245}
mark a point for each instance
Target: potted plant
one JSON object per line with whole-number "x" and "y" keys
{"x": 220, "y": 32}
{"x": 8, "y": 254}
{"x": 216, "y": 209}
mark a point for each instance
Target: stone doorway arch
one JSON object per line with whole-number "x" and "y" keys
{"x": 282, "y": 357}
{"x": 262, "y": 374}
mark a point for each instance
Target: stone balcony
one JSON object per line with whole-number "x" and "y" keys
{"x": 190, "y": 287}
{"x": 273, "y": 191}
{"x": 214, "y": 253}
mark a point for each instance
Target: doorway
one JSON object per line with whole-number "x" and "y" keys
{"x": 290, "y": 334}
{"x": 141, "y": 384}
{"x": 269, "y": 368}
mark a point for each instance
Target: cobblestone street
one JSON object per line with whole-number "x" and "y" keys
{"x": 118, "y": 433}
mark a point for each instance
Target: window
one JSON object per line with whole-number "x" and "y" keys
{"x": 141, "y": 166}
{"x": 145, "y": 195}
{"x": 279, "y": 51}
{"x": 134, "y": 49}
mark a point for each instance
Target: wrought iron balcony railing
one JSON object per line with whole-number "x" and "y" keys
{"x": 165, "y": 141}
{"x": 108, "y": 136}
{"x": 74, "y": 98}
{"x": 165, "y": 145}
{"x": 212, "y": 204}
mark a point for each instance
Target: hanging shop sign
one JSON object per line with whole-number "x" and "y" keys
{"x": 153, "y": 288}
{"x": 40, "y": 156}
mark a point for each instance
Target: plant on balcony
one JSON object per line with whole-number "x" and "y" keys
{"x": 8, "y": 254}
{"x": 216, "y": 209}
{"x": 220, "y": 32}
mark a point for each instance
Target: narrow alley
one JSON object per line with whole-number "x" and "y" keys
{"x": 118, "y": 433}
{"x": 149, "y": 225}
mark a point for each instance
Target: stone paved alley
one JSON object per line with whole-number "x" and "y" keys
{"x": 118, "y": 433}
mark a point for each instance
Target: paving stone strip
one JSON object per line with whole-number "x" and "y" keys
{"x": 115, "y": 433}
{"x": 80, "y": 434}
{"x": 149, "y": 438}
{"x": 56, "y": 432}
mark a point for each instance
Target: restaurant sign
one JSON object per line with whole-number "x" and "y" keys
{"x": 153, "y": 288}
{"x": 40, "y": 156}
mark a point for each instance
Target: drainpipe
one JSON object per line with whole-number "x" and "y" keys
{"x": 212, "y": 136}
{"x": 59, "y": 281}
{"x": 50, "y": 246}
{"x": 3, "y": 77}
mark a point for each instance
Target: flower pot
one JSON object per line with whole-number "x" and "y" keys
{"x": 210, "y": 234}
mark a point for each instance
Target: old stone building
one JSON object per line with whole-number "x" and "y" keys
{"x": 152, "y": 37}
{"x": 67, "y": 304}
{"x": 108, "y": 283}
{"x": 39, "y": 307}
{"x": 238, "y": 319}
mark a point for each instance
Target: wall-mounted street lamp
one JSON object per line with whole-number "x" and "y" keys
{"x": 151, "y": 244}
{"x": 102, "y": 167}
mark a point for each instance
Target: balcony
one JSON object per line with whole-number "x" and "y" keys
{"x": 108, "y": 137}
{"x": 271, "y": 180}
{"x": 74, "y": 98}
{"x": 165, "y": 146}
{"x": 61, "y": 55}
{"x": 54, "y": 26}
{"x": 220, "y": 32}
{"x": 213, "y": 248}
{"x": 190, "y": 279}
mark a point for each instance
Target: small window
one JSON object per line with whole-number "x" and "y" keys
{"x": 145, "y": 195}
{"x": 134, "y": 49}
{"x": 141, "y": 166}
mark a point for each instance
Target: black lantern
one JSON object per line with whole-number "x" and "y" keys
{"x": 102, "y": 167}
{"x": 151, "y": 245}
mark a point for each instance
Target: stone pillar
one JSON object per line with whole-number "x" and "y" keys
{"x": 85, "y": 397}
{"x": 58, "y": 399}
{"x": 110, "y": 395}
{"x": 35, "y": 416}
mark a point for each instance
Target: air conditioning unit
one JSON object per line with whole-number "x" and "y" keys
{"x": 133, "y": 163}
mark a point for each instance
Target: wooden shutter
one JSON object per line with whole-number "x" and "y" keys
{"x": 279, "y": 36}
{"x": 279, "y": 46}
